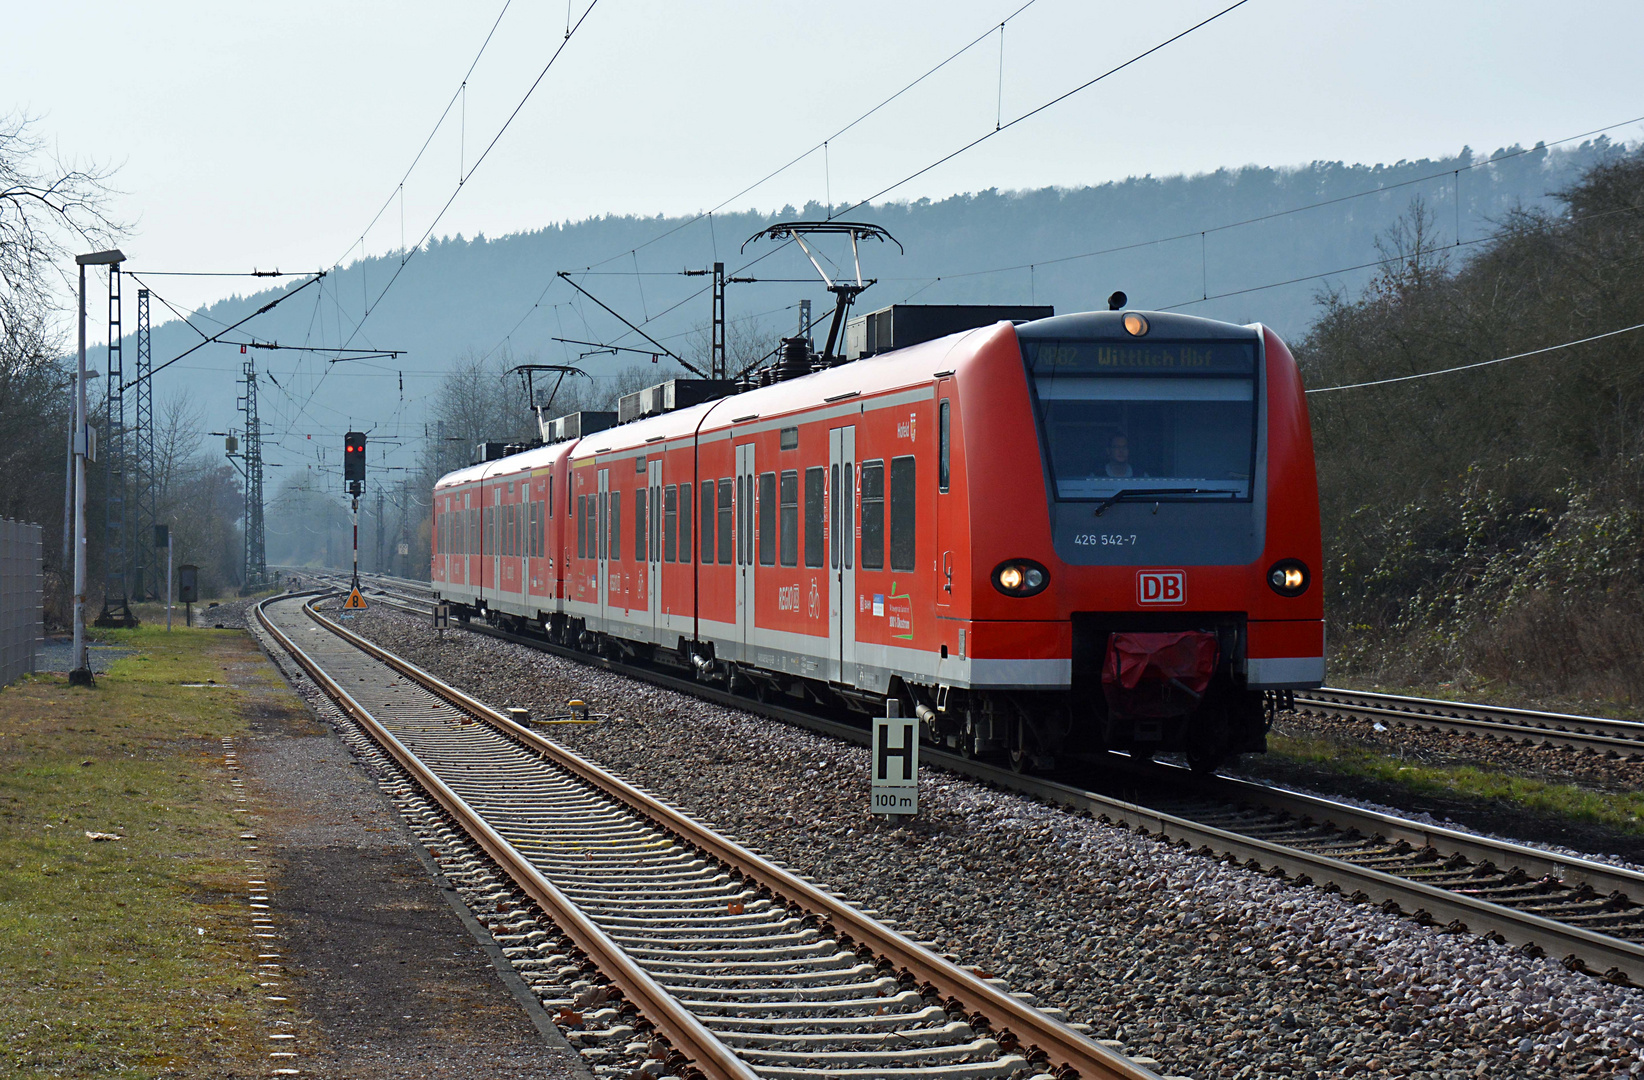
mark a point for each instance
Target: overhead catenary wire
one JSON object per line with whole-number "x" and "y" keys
{"x": 1482, "y": 363}
{"x": 478, "y": 161}
{"x": 218, "y": 336}
{"x": 983, "y": 138}
{"x": 1036, "y": 110}
{"x": 400, "y": 187}
{"x": 1438, "y": 249}
{"x": 790, "y": 163}
{"x": 1257, "y": 219}
{"x": 372, "y": 305}
{"x": 822, "y": 144}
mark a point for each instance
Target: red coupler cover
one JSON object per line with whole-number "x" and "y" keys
{"x": 1158, "y": 674}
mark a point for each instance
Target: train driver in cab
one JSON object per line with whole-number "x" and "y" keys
{"x": 1118, "y": 456}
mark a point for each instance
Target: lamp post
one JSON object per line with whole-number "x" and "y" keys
{"x": 80, "y": 670}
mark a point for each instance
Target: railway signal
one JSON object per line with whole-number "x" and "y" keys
{"x": 354, "y": 475}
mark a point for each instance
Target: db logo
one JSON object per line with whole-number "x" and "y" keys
{"x": 1159, "y": 587}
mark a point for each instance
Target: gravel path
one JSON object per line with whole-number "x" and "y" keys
{"x": 1214, "y": 970}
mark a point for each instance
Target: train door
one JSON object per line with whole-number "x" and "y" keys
{"x": 745, "y": 479}
{"x": 653, "y": 549}
{"x": 493, "y": 543}
{"x": 522, "y": 539}
{"x": 602, "y": 546}
{"x": 842, "y": 557}
{"x": 946, "y": 531}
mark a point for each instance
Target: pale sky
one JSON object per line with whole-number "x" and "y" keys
{"x": 269, "y": 135}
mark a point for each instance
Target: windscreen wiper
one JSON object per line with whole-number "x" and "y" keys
{"x": 1126, "y": 494}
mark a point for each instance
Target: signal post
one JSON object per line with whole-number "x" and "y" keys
{"x": 354, "y": 476}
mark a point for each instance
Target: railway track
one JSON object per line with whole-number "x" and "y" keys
{"x": 744, "y": 969}
{"x": 1587, "y": 914}
{"x": 1600, "y": 735}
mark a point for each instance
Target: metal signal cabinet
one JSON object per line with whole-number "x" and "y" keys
{"x": 841, "y": 534}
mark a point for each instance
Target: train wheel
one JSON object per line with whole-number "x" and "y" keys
{"x": 1017, "y": 755}
{"x": 1203, "y": 762}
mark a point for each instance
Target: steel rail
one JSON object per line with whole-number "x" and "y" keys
{"x": 1579, "y": 949}
{"x": 1537, "y": 862}
{"x": 1040, "y": 1037}
{"x": 1595, "y": 733}
{"x": 687, "y": 1034}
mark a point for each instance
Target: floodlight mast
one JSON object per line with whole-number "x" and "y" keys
{"x": 845, "y": 292}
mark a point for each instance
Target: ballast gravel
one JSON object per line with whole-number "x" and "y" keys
{"x": 1214, "y": 970}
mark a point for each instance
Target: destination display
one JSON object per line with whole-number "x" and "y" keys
{"x": 1134, "y": 358}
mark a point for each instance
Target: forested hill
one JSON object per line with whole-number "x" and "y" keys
{"x": 1167, "y": 241}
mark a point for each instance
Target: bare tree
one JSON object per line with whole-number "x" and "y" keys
{"x": 41, "y": 208}
{"x": 176, "y": 439}
{"x": 747, "y": 341}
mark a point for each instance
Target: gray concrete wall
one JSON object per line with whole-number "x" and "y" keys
{"x": 20, "y": 598}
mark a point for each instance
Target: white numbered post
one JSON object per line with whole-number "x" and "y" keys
{"x": 894, "y": 763}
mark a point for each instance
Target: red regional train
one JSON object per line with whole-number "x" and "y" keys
{"x": 1080, "y": 533}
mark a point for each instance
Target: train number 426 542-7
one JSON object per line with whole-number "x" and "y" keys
{"x": 1105, "y": 540}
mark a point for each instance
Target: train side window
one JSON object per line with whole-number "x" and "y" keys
{"x": 639, "y": 524}
{"x": 725, "y": 526}
{"x": 790, "y": 517}
{"x": 767, "y": 519}
{"x": 550, "y": 494}
{"x": 684, "y": 523}
{"x": 873, "y": 515}
{"x": 709, "y": 519}
{"x": 833, "y": 520}
{"x": 816, "y": 484}
{"x": 582, "y": 531}
{"x": 848, "y": 480}
{"x": 604, "y": 519}
{"x": 670, "y": 522}
{"x": 616, "y": 525}
{"x": 741, "y": 521}
{"x": 656, "y": 523}
{"x": 532, "y": 511}
{"x": 903, "y": 517}
{"x": 943, "y": 441}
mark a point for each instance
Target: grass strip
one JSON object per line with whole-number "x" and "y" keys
{"x": 127, "y": 957}
{"x": 1622, "y": 811}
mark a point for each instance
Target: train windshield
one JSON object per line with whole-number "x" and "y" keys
{"x": 1169, "y": 420}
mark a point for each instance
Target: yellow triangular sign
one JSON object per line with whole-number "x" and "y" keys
{"x": 355, "y": 600}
